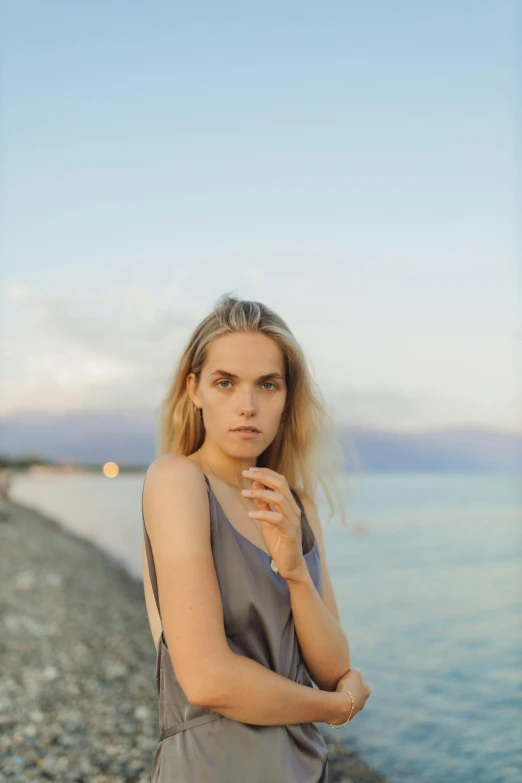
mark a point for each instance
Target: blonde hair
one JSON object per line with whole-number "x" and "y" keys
{"x": 305, "y": 449}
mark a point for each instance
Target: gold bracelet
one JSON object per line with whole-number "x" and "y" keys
{"x": 340, "y": 725}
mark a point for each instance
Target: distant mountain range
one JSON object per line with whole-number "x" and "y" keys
{"x": 128, "y": 438}
{"x": 445, "y": 450}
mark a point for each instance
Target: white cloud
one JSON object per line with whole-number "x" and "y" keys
{"x": 16, "y": 291}
{"x": 112, "y": 349}
{"x": 71, "y": 350}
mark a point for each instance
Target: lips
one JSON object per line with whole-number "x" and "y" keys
{"x": 245, "y": 429}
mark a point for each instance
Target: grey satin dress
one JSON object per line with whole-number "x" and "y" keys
{"x": 198, "y": 745}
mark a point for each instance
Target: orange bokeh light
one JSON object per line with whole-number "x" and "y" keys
{"x": 110, "y": 469}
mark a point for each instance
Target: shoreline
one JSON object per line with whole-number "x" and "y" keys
{"x": 78, "y": 699}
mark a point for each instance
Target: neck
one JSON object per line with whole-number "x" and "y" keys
{"x": 223, "y": 466}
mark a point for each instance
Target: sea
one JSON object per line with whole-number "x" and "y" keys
{"x": 427, "y": 573}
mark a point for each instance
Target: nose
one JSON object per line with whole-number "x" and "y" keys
{"x": 247, "y": 405}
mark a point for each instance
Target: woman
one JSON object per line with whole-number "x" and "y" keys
{"x": 237, "y": 589}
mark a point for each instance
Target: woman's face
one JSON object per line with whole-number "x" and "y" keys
{"x": 242, "y": 383}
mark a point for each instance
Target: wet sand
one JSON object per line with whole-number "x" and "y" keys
{"x": 78, "y": 699}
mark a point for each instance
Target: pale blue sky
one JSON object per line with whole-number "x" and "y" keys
{"x": 353, "y": 165}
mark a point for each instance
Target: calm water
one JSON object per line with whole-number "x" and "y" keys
{"x": 430, "y": 595}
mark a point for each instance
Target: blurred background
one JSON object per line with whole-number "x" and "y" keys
{"x": 355, "y": 166}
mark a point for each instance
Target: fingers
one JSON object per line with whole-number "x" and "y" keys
{"x": 276, "y": 482}
{"x": 274, "y": 498}
{"x": 275, "y": 517}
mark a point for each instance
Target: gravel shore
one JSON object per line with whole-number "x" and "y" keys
{"x": 78, "y": 700}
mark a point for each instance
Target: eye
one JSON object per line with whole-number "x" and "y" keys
{"x": 266, "y": 383}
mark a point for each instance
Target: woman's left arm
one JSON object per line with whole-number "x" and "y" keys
{"x": 324, "y": 645}
{"x": 322, "y": 641}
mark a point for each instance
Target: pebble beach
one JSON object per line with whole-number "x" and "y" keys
{"x": 78, "y": 700}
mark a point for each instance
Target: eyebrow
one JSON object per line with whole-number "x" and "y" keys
{"x": 266, "y": 377}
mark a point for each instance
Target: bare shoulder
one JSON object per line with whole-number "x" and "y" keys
{"x": 174, "y": 489}
{"x": 173, "y": 464}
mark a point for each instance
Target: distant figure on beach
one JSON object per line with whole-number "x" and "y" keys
{"x": 237, "y": 588}
{"x": 6, "y": 479}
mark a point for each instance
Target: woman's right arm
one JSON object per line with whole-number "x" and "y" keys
{"x": 176, "y": 514}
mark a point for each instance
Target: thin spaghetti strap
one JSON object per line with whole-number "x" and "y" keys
{"x": 150, "y": 558}
{"x": 307, "y": 533}
{"x": 297, "y": 500}
{"x": 208, "y": 482}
